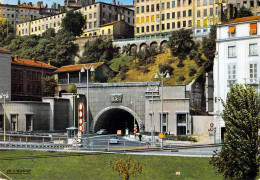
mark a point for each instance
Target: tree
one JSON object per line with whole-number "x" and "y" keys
{"x": 181, "y": 43}
{"x": 73, "y": 22}
{"x": 49, "y": 85}
{"x": 6, "y": 32}
{"x": 239, "y": 156}
{"x": 127, "y": 167}
{"x": 72, "y": 88}
{"x": 98, "y": 51}
{"x": 209, "y": 47}
{"x": 244, "y": 12}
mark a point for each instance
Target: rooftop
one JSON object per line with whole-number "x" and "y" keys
{"x": 107, "y": 24}
{"x": 77, "y": 67}
{"x": 32, "y": 63}
{"x": 3, "y": 49}
{"x": 29, "y": 7}
{"x": 243, "y": 19}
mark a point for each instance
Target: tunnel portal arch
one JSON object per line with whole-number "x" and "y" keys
{"x": 139, "y": 122}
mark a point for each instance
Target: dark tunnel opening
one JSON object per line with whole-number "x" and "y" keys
{"x": 116, "y": 119}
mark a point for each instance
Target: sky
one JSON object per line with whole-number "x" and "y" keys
{"x": 50, "y": 2}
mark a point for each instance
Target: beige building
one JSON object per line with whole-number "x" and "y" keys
{"x": 254, "y": 5}
{"x": 95, "y": 15}
{"x": 163, "y": 17}
{"x": 24, "y": 13}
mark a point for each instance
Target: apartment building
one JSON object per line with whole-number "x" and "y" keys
{"x": 236, "y": 60}
{"x": 95, "y": 15}
{"x": 163, "y": 17}
{"x": 27, "y": 12}
{"x": 254, "y": 5}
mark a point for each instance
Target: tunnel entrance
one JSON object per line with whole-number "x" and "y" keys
{"x": 116, "y": 119}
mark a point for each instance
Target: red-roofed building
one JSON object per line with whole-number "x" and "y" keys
{"x": 27, "y": 76}
{"x": 72, "y": 74}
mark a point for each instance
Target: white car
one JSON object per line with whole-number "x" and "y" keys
{"x": 101, "y": 131}
{"x": 113, "y": 140}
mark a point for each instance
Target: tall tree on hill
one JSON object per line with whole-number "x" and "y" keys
{"x": 239, "y": 156}
{"x": 73, "y": 22}
{"x": 6, "y": 32}
{"x": 181, "y": 43}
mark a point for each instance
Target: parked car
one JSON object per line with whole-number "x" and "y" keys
{"x": 102, "y": 131}
{"x": 113, "y": 140}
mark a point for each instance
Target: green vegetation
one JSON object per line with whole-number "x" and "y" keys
{"x": 49, "y": 85}
{"x": 98, "y": 51}
{"x": 72, "y": 88}
{"x": 65, "y": 165}
{"x": 239, "y": 156}
{"x": 73, "y": 22}
{"x": 6, "y": 32}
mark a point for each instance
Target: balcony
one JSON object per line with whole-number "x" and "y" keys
{"x": 252, "y": 81}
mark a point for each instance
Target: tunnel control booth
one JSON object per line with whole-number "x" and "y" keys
{"x": 72, "y": 133}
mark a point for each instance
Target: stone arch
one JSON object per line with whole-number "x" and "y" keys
{"x": 137, "y": 118}
{"x": 133, "y": 49}
{"x": 95, "y": 33}
{"x": 163, "y": 46}
{"x": 142, "y": 47}
{"x": 154, "y": 45}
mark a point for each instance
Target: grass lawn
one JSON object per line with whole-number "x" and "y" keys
{"x": 67, "y": 165}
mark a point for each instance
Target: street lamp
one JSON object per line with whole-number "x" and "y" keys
{"x": 74, "y": 114}
{"x": 92, "y": 69}
{"x": 156, "y": 77}
{"x": 150, "y": 88}
{"x": 4, "y": 95}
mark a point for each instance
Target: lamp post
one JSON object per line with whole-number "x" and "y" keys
{"x": 4, "y": 95}
{"x": 74, "y": 109}
{"x": 91, "y": 69}
{"x": 150, "y": 88}
{"x": 156, "y": 77}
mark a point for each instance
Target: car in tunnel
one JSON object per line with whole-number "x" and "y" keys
{"x": 102, "y": 131}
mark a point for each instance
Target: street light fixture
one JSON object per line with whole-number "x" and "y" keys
{"x": 91, "y": 69}
{"x": 156, "y": 77}
{"x": 150, "y": 88}
{"x": 4, "y": 95}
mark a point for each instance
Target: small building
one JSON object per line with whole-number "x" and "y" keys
{"x": 5, "y": 72}
{"x": 27, "y": 76}
{"x": 72, "y": 74}
{"x": 236, "y": 61}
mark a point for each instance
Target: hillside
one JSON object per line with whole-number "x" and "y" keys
{"x": 136, "y": 74}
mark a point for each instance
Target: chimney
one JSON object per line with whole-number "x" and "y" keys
{"x": 118, "y": 3}
{"x": 34, "y": 60}
{"x": 15, "y": 57}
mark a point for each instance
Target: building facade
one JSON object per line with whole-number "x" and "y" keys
{"x": 27, "y": 76}
{"x": 95, "y": 15}
{"x": 163, "y": 17}
{"x": 236, "y": 60}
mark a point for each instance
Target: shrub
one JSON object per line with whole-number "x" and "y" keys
{"x": 164, "y": 67}
{"x": 181, "y": 78}
{"x": 192, "y": 70}
{"x": 145, "y": 69}
{"x": 180, "y": 64}
{"x": 72, "y": 88}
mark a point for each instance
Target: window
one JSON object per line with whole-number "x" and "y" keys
{"x": 164, "y": 122}
{"x": 157, "y": 7}
{"x": 178, "y": 24}
{"x": 163, "y": 27}
{"x": 181, "y": 124}
{"x": 137, "y": 30}
{"x": 142, "y": 29}
{"x": 205, "y": 24}
{"x": 173, "y": 25}
{"x": 189, "y": 23}
{"x": 184, "y": 13}
{"x": 168, "y": 26}
{"x": 138, "y": 20}
{"x": 109, "y": 31}
{"x": 157, "y": 27}
{"x": 198, "y": 3}
{"x": 137, "y": 11}
{"x": 173, "y": 4}
{"x": 253, "y": 50}
{"x": 147, "y": 8}
{"x": 231, "y": 29}
{"x": 253, "y": 72}
{"x": 142, "y": 9}
{"x": 231, "y": 74}
{"x": 147, "y": 28}
{"x": 163, "y": 17}
{"x": 152, "y": 8}
{"x": 168, "y": 16}
{"x": 232, "y": 51}
{"x": 189, "y": 12}
{"x": 152, "y": 18}
{"x": 179, "y": 14}
{"x": 184, "y": 24}
{"x": 198, "y": 23}
{"x": 142, "y": 19}
{"x": 162, "y": 6}
{"x": 198, "y": 13}
{"x": 204, "y": 12}
{"x": 1, "y": 122}
{"x": 211, "y": 11}
{"x": 173, "y": 15}
{"x": 147, "y": 18}
{"x": 253, "y": 28}
{"x": 152, "y": 27}
{"x": 168, "y": 5}
{"x": 204, "y": 2}
{"x": 95, "y": 15}
{"x": 178, "y": 3}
